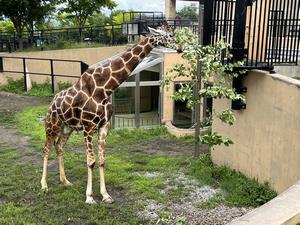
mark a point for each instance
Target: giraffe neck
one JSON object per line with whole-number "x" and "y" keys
{"x": 122, "y": 67}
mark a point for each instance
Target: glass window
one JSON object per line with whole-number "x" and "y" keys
{"x": 182, "y": 116}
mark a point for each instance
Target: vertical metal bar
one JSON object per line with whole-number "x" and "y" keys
{"x": 287, "y": 29}
{"x": 208, "y": 21}
{"x": 113, "y": 34}
{"x": 137, "y": 100}
{"x": 281, "y": 43}
{"x": 52, "y": 76}
{"x": 239, "y": 29}
{"x": 217, "y": 19}
{"x": 160, "y": 97}
{"x": 296, "y": 45}
{"x": 258, "y": 47}
{"x": 271, "y": 43}
{"x": 213, "y": 31}
{"x": 268, "y": 40}
{"x": 231, "y": 21}
{"x": 264, "y": 39}
{"x": 198, "y": 88}
{"x": 24, "y": 74}
{"x": 249, "y": 37}
{"x": 254, "y": 36}
{"x": 83, "y": 67}
{"x": 225, "y": 21}
{"x": 222, "y": 21}
{"x": 296, "y": 54}
{"x": 290, "y": 45}
{"x": 113, "y": 116}
{"x": 1, "y": 64}
{"x": 276, "y": 32}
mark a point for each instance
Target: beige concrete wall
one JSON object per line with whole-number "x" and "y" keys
{"x": 87, "y": 55}
{"x": 267, "y": 133}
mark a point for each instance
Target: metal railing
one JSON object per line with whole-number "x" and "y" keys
{"x": 110, "y": 34}
{"x": 52, "y": 74}
{"x": 121, "y": 121}
{"x": 263, "y": 32}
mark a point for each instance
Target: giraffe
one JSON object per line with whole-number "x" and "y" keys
{"x": 85, "y": 106}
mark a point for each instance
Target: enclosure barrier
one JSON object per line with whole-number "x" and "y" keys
{"x": 263, "y": 32}
{"x": 266, "y": 135}
{"x": 52, "y": 74}
{"x": 282, "y": 210}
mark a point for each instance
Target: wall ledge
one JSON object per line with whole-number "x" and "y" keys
{"x": 280, "y": 77}
{"x": 179, "y": 132}
{"x": 282, "y": 210}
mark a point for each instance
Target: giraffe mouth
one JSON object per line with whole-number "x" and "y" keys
{"x": 179, "y": 50}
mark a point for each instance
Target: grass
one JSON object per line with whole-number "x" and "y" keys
{"x": 45, "y": 90}
{"x": 239, "y": 190}
{"x": 22, "y": 201}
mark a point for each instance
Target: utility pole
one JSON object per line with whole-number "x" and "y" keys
{"x": 198, "y": 85}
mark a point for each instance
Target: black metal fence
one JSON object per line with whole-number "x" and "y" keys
{"x": 106, "y": 34}
{"x": 22, "y": 62}
{"x": 264, "y": 32}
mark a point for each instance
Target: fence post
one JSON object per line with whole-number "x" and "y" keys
{"x": 24, "y": 74}
{"x": 208, "y": 21}
{"x": 113, "y": 34}
{"x": 52, "y": 76}
{"x": 137, "y": 100}
{"x": 1, "y": 64}
{"x": 113, "y": 117}
{"x": 83, "y": 67}
{"x": 239, "y": 29}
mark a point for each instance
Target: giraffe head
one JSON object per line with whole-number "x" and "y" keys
{"x": 164, "y": 36}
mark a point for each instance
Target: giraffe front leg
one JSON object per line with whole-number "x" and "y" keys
{"x": 90, "y": 159}
{"x": 102, "y": 136}
{"x": 59, "y": 152}
{"x": 47, "y": 149}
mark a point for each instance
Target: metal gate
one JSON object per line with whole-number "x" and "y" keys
{"x": 263, "y": 32}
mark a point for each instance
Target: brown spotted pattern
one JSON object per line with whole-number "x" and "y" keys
{"x": 85, "y": 106}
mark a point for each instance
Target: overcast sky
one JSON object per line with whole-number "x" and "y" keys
{"x": 147, "y": 5}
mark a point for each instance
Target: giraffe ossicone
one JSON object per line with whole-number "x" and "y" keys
{"x": 85, "y": 106}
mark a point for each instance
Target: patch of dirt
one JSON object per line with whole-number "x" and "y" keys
{"x": 12, "y": 102}
{"x": 10, "y": 138}
{"x": 169, "y": 147}
{"x": 187, "y": 208}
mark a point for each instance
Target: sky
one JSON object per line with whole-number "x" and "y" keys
{"x": 147, "y": 5}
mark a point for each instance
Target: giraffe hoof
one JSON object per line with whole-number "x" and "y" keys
{"x": 90, "y": 201}
{"x": 44, "y": 188}
{"x": 67, "y": 183}
{"x": 108, "y": 200}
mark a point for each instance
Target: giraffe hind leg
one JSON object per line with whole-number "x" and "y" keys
{"x": 63, "y": 138}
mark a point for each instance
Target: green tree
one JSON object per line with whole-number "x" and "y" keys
{"x": 98, "y": 19}
{"x": 7, "y": 26}
{"x": 81, "y": 10}
{"x": 210, "y": 58}
{"x": 65, "y": 20}
{"x": 188, "y": 12}
{"x": 23, "y": 13}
